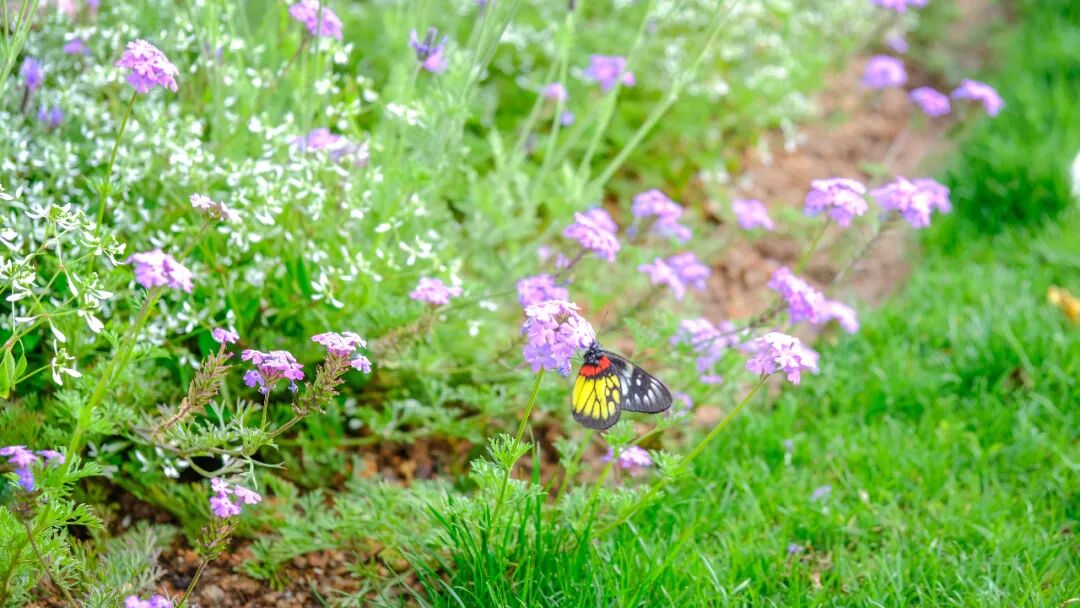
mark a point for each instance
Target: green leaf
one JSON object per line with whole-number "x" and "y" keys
{"x": 7, "y": 374}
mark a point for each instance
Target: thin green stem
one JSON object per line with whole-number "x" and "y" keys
{"x": 117, "y": 362}
{"x": 683, "y": 463}
{"x": 46, "y": 566}
{"x": 529, "y": 407}
{"x": 191, "y": 586}
{"x": 520, "y": 432}
{"x": 107, "y": 186}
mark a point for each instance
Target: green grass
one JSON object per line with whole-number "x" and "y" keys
{"x": 1015, "y": 168}
{"x": 947, "y": 429}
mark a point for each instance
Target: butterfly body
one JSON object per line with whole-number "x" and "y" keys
{"x": 607, "y": 384}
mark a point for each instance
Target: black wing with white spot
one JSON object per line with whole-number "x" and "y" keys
{"x": 642, "y": 392}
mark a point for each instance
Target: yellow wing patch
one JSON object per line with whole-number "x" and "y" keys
{"x": 596, "y": 400}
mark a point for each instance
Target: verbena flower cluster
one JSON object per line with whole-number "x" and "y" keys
{"x": 655, "y": 204}
{"x": 540, "y": 288}
{"x": 808, "y": 304}
{"x": 434, "y": 291}
{"x": 149, "y": 67}
{"x": 554, "y": 332}
{"x": 156, "y": 268}
{"x": 270, "y": 368}
{"x": 630, "y": 458}
{"x": 915, "y": 200}
{"x": 679, "y": 272}
{"x": 609, "y": 71}
{"x": 228, "y": 499}
{"x": 841, "y": 199}
{"x": 317, "y": 18}
{"x": 595, "y": 231}
{"x": 777, "y": 352}
{"x": 751, "y": 213}
{"x": 21, "y": 460}
{"x": 884, "y": 72}
{"x": 154, "y": 601}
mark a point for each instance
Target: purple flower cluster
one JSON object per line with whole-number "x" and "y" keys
{"x": 541, "y": 288}
{"x": 149, "y": 67}
{"x": 883, "y": 72}
{"x": 318, "y": 22}
{"x": 434, "y": 291}
{"x": 336, "y": 147}
{"x": 631, "y": 458}
{"x": 51, "y": 117}
{"x": 678, "y": 272}
{"x": 751, "y": 213}
{"x": 808, "y": 304}
{"x": 899, "y": 6}
{"x": 32, "y": 73}
{"x": 156, "y": 268}
{"x": 982, "y": 93}
{"x": 654, "y": 203}
{"x": 608, "y": 71}
{"x": 933, "y": 102}
{"x": 21, "y": 460}
{"x": 76, "y": 46}
{"x": 775, "y": 352}
{"x": 222, "y": 502}
{"x": 842, "y": 199}
{"x": 915, "y": 200}
{"x": 555, "y": 91}
{"x": 345, "y": 344}
{"x": 270, "y": 367}
{"x": 213, "y": 208}
{"x": 554, "y": 331}
{"x": 155, "y": 601}
{"x": 430, "y": 54}
{"x": 709, "y": 341}
{"x": 595, "y": 230}
{"x": 224, "y": 336}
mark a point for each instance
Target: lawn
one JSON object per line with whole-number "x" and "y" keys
{"x": 296, "y": 294}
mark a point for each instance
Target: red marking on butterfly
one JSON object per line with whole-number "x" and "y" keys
{"x": 591, "y": 370}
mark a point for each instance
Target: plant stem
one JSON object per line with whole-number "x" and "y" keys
{"x": 191, "y": 586}
{"x": 520, "y": 432}
{"x": 117, "y": 362}
{"x": 683, "y": 464}
{"x": 529, "y": 407}
{"x": 106, "y": 187}
{"x": 46, "y": 566}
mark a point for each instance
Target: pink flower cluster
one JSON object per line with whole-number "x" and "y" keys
{"x": 540, "y": 288}
{"x": 679, "y": 272}
{"x": 631, "y": 458}
{"x": 916, "y": 199}
{"x": 21, "y": 459}
{"x": 777, "y": 352}
{"x": 156, "y": 268}
{"x": 932, "y": 102}
{"x": 883, "y": 72}
{"x": 149, "y": 67}
{"x": 842, "y": 199}
{"x": 554, "y": 331}
{"x": 434, "y": 291}
{"x": 751, "y": 213}
{"x": 155, "y": 601}
{"x": 222, "y": 502}
{"x": 608, "y": 71}
{"x": 270, "y": 367}
{"x": 319, "y": 22}
{"x": 345, "y": 344}
{"x": 982, "y": 93}
{"x": 224, "y": 336}
{"x": 430, "y": 54}
{"x": 654, "y": 203}
{"x": 808, "y": 304}
{"x": 336, "y": 147}
{"x": 595, "y": 230}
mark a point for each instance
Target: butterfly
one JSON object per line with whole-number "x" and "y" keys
{"x": 607, "y": 384}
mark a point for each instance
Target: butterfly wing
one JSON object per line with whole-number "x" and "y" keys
{"x": 642, "y": 392}
{"x": 597, "y": 396}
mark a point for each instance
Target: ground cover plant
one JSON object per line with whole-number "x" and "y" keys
{"x": 314, "y": 277}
